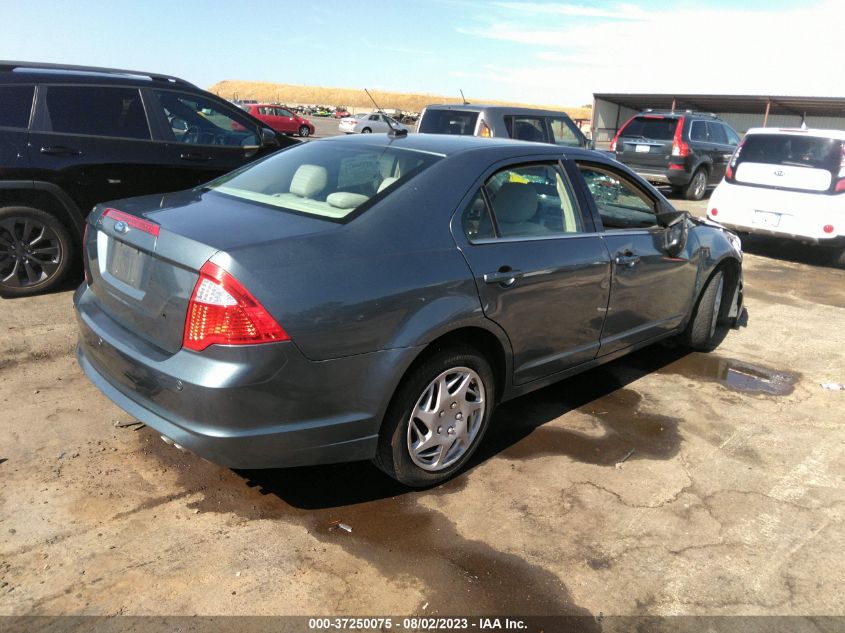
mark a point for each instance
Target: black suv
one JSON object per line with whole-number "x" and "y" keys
{"x": 687, "y": 150}
{"x": 74, "y": 136}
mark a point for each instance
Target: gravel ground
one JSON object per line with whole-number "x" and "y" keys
{"x": 730, "y": 501}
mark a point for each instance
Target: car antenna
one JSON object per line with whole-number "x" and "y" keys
{"x": 395, "y": 131}
{"x": 463, "y": 98}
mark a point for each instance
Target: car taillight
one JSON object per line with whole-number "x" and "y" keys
{"x": 86, "y": 270}
{"x": 484, "y": 129}
{"x": 840, "y": 183}
{"x": 714, "y": 211}
{"x": 679, "y": 146}
{"x": 729, "y": 170}
{"x": 222, "y": 311}
{"x": 615, "y": 139}
{"x": 828, "y": 228}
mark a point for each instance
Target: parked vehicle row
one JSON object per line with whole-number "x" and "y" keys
{"x": 71, "y": 137}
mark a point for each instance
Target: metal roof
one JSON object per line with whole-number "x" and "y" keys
{"x": 740, "y": 104}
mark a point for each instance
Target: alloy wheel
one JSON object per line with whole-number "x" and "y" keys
{"x": 30, "y": 252}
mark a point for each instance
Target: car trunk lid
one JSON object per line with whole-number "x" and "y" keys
{"x": 788, "y": 161}
{"x": 145, "y": 259}
{"x": 646, "y": 141}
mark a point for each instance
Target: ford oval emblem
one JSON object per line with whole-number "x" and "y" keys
{"x": 121, "y": 227}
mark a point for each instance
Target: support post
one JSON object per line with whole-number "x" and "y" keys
{"x": 766, "y": 116}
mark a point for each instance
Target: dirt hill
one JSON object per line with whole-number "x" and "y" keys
{"x": 354, "y": 98}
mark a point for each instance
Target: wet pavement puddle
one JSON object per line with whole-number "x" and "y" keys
{"x": 734, "y": 374}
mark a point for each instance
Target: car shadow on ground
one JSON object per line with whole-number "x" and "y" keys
{"x": 519, "y": 430}
{"x": 786, "y": 250}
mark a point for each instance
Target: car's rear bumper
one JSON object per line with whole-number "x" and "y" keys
{"x": 834, "y": 241}
{"x": 254, "y": 406}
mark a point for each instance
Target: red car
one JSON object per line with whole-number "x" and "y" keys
{"x": 341, "y": 113}
{"x": 281, "y": 119}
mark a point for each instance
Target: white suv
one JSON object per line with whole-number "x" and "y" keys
{"x": 788, "y": 183}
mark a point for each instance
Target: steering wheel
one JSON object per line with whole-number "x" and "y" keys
{"x": 192, "y": 135}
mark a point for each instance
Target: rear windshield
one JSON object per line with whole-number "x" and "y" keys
{"x": 326, "y": 179}
{"x": 783, "y": 149}
{"x": 448, "y": 122}
{"x": 657, "y": 128}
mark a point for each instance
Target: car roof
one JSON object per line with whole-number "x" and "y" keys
{"x": 797, "y": 131}
{"x": 37, "y": 72}
{"x": 477, "y": 107}
{"x": 450, "y": 144}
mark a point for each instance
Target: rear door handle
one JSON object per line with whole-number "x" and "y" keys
{"x": 627, "y": 259}
{"x": 503, "y": 277}
{"x": 194, "y": 157}
{"x": 60, "y": 150}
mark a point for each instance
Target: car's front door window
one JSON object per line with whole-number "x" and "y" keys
{"x": 196, "y": 120}
{"x": 620, "y": 203}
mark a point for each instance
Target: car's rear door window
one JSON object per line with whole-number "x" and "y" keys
{"x": 653, "y": 127}
{"x": 457, "y": 122}
{"x": 525, "y": 128}
{"x": 15, "y": 106}
{"x": 716, "y": 133}
{"x": 620, "y": 203}
{"x": 96, "y": 111}
{"x": 525, "y": 201}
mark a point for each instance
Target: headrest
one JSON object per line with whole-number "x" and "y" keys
{"x": 386, "y": 183}
{"x": 309, "y": 180}
{"x": 346, "y": 199}
{"x": 515, "y": 202}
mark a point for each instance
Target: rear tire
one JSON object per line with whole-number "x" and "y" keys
{"x": 35, "y": 251}
{"x": 366, "y": 130}
{"x": 439, "y": 413}
{"x": 701, "y": 333}
{"x": 697, "y": 185}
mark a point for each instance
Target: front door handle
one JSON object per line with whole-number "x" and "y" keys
{"x": 505, "y": 276}
{"x": 60, "y": 150}
{"x": 627, "y": 259}
{"x": 194, "y": 157}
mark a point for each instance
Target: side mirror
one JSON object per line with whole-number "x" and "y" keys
{"x": 179, "y": 125}
{"x": 268, "y": 138}
{"x": 674, "y": 237}
{"x": 591, "y": 144}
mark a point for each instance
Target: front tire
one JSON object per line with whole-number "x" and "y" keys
{"x": 304, "y": 131}
{"x": 697, "y": 185}
{"x": 703, "y": 326}
{"x": 366, "y": 130}
{"x": 437, "y": 418}
{"x": 35, "y": 251}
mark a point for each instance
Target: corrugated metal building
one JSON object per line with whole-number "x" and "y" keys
{"x": 610, "y": 111}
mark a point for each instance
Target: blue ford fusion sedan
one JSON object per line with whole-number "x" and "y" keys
{"x": 375, "y": 297}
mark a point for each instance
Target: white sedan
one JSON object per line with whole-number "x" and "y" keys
{"x": 369, "y": 122}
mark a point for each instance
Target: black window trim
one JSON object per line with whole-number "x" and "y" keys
{"x": 39, "y": 115}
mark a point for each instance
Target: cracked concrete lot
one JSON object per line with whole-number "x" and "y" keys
{"x": 663, "y": 483}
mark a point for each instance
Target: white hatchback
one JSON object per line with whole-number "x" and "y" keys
{"x": 788, "y": 183}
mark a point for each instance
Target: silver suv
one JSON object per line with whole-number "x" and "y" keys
{"x": 525, "y": 124}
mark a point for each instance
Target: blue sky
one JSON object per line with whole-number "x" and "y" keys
{"x": 534, "y": 51}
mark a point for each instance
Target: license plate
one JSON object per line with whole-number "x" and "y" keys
{"x": 126, "y": 263}
{"x": 767, "y": 218}
{"x": 643, "y": 148}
